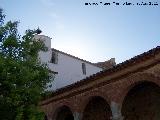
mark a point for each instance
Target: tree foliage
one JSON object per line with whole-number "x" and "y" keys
{"x": 23, "y": 78}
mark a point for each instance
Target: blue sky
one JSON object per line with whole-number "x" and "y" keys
{"x": 93, "y": 33}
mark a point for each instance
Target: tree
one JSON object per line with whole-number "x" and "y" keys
{"x": 23, "y": 78}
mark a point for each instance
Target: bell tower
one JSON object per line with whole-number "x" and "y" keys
{"x": 44, "y": 57}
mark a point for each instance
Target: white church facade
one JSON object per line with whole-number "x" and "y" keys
{"x": 68, "y": 69}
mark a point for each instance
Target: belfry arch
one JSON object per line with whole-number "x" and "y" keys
{"x": 97, "y": 109}
{"x": 63, "y": 113}
{"x": 142, "y": 102}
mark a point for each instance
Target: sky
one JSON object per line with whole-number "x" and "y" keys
{"x": 91, "y": 32}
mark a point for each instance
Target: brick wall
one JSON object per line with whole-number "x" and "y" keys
{"x": 113, "y": 90}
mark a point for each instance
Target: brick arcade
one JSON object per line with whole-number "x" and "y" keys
{"x": 128, "y": 91}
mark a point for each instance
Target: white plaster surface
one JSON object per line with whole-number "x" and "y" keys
{"x": 69, "y": 68}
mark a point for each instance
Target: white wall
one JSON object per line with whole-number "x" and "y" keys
{"x": 45, "y": 57}
{"x": 69, "y": 68}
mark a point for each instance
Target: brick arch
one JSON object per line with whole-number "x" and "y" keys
{"x": 134, "y": 80}
{"x": 58, "y": 106}
{"x": 54, "y": 115}
{"x": 45, "y": 117}
{"x": 97, "y": 108}
{"x": 45, "y": 111}
{"x": 85, "y": 99}
{"x": 142, "y": 102}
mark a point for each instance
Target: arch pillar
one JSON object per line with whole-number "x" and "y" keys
{"x": 116, "y": 111}
{"x": 77, "y": 116}
{"x": 49, "y": 118}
